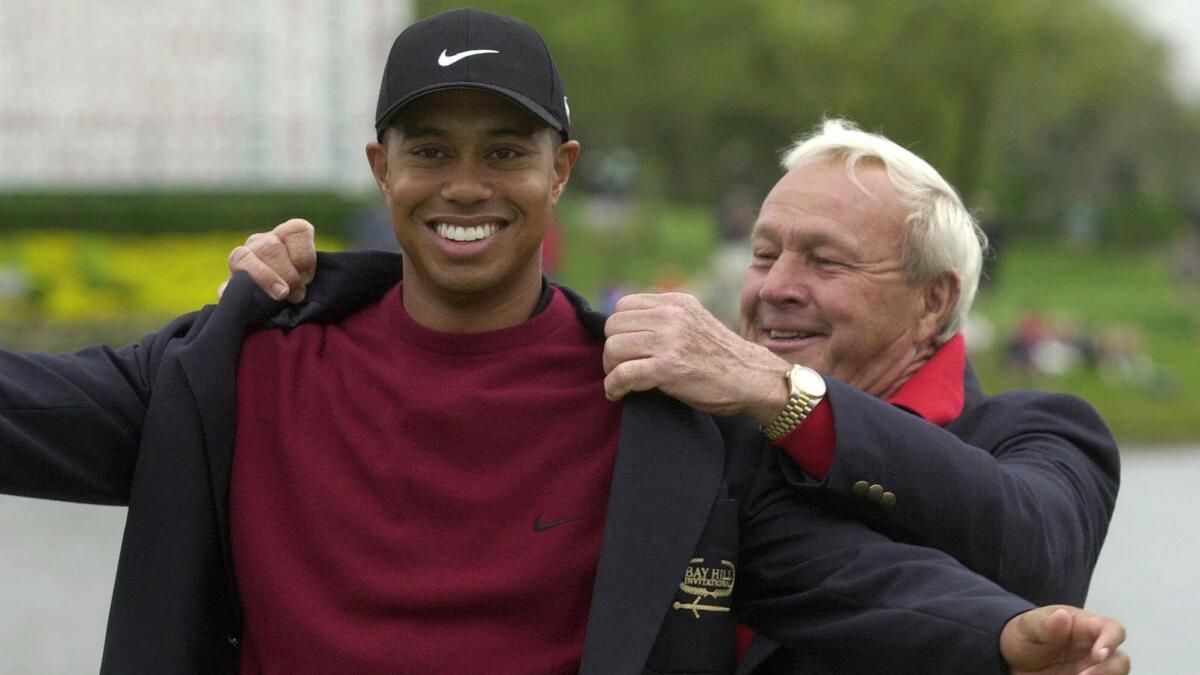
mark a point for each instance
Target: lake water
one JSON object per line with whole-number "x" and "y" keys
{"x": 1148, "y": 575}
{"x": 58, "y": 560}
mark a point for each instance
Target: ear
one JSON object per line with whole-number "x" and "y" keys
{"x": 377, "y": 158}
{"x": 564, "y": 159}
{"x": 939, "y": 296}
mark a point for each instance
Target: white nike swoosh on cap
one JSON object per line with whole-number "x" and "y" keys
{"x": 445, "y": 59}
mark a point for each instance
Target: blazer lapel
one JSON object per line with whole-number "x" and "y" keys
{"x": 210, "y": 364}
{"x": 668, "y": 471}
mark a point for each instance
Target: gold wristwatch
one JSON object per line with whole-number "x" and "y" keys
{"x": 806, "y": 388}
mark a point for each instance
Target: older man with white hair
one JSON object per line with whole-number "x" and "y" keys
{"x": 865, "y": 266}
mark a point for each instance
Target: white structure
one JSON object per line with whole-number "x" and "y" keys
{"x": 190, "y": 93}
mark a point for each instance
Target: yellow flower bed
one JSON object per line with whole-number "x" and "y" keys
{"x": 79, "y": 276}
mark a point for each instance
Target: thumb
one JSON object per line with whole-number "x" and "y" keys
{"x": 1053, "y": 630}
{"x": 1038, "y": 637}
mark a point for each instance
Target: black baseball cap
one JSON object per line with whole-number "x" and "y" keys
{"x": 473, "y": 49}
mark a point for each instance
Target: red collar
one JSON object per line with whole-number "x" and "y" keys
{"x": 935, "y": 392}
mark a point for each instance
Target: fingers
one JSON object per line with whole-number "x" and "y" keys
{"x": 1103, "y": 637}
{"x": 1050, "y": 625}
{"x": 624, "y": 347}
{"x": 1117, "y": 663}
{"x": 281, "y": 262}
{"x": 299, "y": 236}
{"x": 1111, "y": 635}
{"x": 272, "y": 251}
{"x": 1057, "y": 627}
{"x": 636, "y": 301}
{"x": 1107, "y": 636}
{"x": 646, "y": 338}
{"x": 629, "y": 363}
{"x": 666, "y": 313}
{"x": 627, "y": 376}
{"x": 245, "y": 258}
{"x": 1070, "y": 637}
{"x": 642, "y": 325}
{"x": 630, "y": 321}
{"x": 670, "y": 342}
{"x": 1036, "y": 638}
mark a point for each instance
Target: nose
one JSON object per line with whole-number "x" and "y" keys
{"x": 467, "y": 183}
{"x": 786, "y": 283}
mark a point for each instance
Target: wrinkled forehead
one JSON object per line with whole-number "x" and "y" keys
{"x": 823, "y": 200}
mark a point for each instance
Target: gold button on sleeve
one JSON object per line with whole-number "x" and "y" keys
{"x": 875, "y": 492}
{"x": 859, "y": 489}
{"x": 888, "y": 499}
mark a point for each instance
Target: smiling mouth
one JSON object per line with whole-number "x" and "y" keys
{"x": 467, "y": 233}
{"x": 791, "y": 335}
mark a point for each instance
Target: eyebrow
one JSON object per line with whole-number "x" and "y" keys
{"x": 775, "y": 233}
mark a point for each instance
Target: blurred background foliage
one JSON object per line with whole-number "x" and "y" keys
{"x": 1038, "y": 104}
{"x": 1056, "y": 120}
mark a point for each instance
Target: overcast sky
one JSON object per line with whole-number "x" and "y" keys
{"x": 1178, "y": 21}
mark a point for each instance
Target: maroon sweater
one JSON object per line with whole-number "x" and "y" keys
{"x": 404, "y": 500}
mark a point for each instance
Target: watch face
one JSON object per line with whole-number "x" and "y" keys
{"x": 809, "y": 381}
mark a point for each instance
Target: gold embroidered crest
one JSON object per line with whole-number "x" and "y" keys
{"x": 706, "y": 581}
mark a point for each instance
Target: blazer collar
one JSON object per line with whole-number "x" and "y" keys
{"x": 972, "y": 392}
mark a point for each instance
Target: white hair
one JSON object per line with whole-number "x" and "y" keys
{"x": 943, "y": 236}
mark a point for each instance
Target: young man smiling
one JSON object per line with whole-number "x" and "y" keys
{"x": 425, "y": 474}
{"x": 471, "y": 180}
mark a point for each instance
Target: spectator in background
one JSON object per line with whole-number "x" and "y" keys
{"x": 1039, "y": 345}
{"x": 1122, "y": 359}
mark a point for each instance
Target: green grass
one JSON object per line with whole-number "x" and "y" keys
{"x": 1099, "y": 289}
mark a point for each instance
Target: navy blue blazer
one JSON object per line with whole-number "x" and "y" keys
{"x": 702, "y": 527}
{"x": 1020, "y": 487}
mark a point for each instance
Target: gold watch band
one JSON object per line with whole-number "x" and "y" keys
{"x": 799, "y": 405}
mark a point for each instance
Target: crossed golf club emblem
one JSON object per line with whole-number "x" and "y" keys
{"x": 718, "y": 585}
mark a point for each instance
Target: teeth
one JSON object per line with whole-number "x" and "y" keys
{"x": 783, "y": 334}
{"x": 469, "y": 233}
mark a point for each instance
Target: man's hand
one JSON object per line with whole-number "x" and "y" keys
{"x": 668, "y": 341}
{"x": 1062, "y": 640}
{"x": 282, "y": 262}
